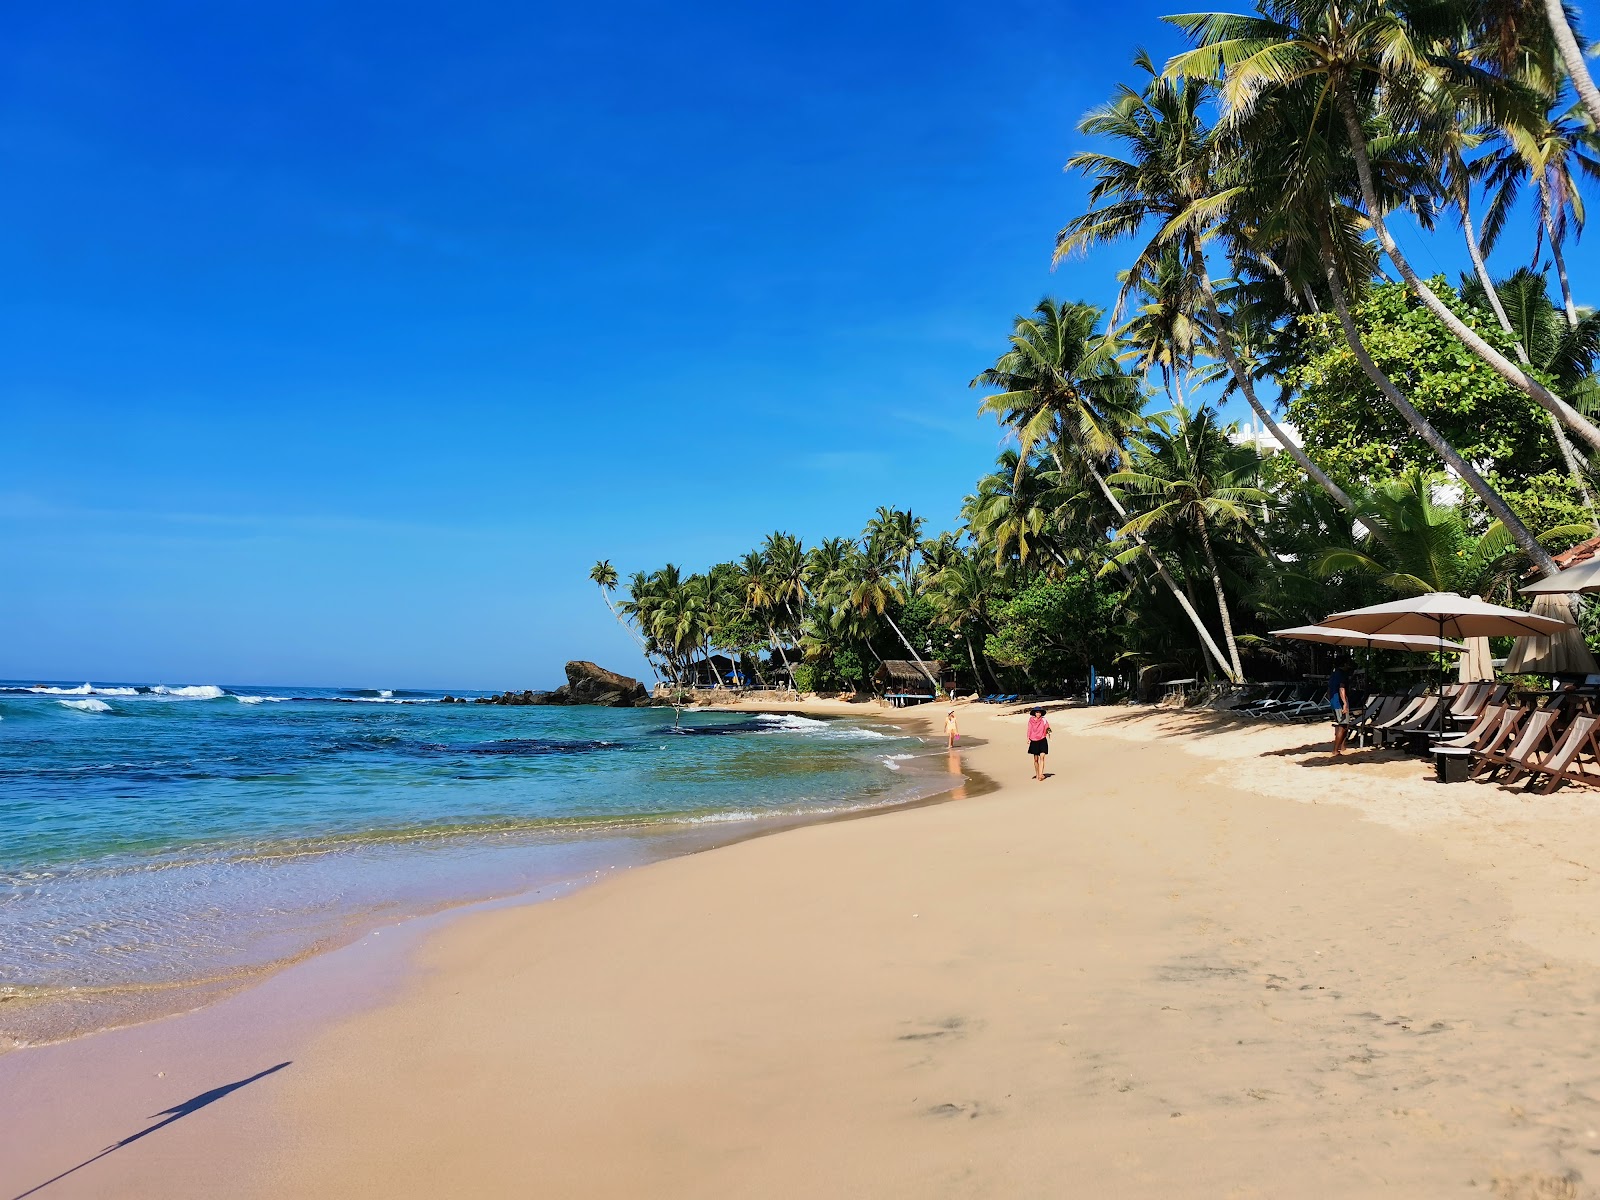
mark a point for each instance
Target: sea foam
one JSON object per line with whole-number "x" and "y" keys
{"x": 86, "y": 705}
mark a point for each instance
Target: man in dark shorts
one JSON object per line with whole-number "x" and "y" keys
{"x": 1340, "y": 704}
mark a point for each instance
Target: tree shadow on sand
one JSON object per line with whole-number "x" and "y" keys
{"x": 176, "y": 1113}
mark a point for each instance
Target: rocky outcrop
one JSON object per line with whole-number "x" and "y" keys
{"x": 587, "y": 683}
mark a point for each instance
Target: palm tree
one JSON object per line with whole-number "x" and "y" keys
{"x": 1345, "y": 53}
{"x": 1012, "y": 514}
{"x": 1173, "y": 178}
{"x": 961, "y": 601}
{"x": 871, "y": 589}
{"x": 1430, "y": 546}
{"x": 1552, "y": 151}
{"x": 1188, "y": 474}
{"x": 1061, "y": 388}
{"x": 604, "y": 576}
{"x": 1555, "y": 12}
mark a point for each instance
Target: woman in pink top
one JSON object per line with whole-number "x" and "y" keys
{"x": 1038, "y": 741}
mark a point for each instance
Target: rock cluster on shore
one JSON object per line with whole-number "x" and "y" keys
{"x": 587, "y": 683}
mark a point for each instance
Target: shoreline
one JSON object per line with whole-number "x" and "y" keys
{"x": 573, "y": 852}
{"x": 1156, "y": 972}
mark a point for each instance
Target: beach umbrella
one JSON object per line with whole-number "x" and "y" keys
{"x": 1445, "y": 615}
{"x": 1476, "y": 665}
{"x": 1561, "y": 653}
{"x": 1585, "y": 577}
{"x": 1423, "y": 643}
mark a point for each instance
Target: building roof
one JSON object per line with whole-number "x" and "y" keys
{"x": 905, "y": 670}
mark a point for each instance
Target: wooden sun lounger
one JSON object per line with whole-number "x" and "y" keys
{"x": 1536, "y": 736}
{"x": 1422, "y": 718}
{"x": 1470, "y": 700}
{"x": 1566, "y": 763}
{"x": 1379, "y": 708}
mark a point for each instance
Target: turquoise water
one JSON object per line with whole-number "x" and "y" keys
{"x": 151, "y": 835}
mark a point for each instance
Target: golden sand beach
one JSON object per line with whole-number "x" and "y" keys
{"x": 1200, "y": 960}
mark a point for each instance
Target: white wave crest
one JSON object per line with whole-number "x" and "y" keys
{"x": 86, "y": 705}
{"x": 87, "y": 689}
{"x": 893, "y": 761}
{"x": 197, "y": 691}
{"x": 790, "y": 721}
{"x": 385, "y": 693}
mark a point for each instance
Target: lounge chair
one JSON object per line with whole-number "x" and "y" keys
{"x": 1536, "y": 735}
{"x": 1566, "y": 763}
{"x": 1415, "y": 718}
{"x": 1379, "y": 708}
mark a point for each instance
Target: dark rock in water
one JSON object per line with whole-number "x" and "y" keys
{"x": 591, "y": 684}
{"x": 586, "y": 684}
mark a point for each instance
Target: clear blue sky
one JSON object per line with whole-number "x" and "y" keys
{"x": 341, "y": 338}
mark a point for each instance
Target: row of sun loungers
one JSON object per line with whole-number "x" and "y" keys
{"x": 1541, "y": 742}
{"x": 1284, "y": 702}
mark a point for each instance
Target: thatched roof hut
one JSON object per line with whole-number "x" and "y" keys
{"x": 905, "y": 673}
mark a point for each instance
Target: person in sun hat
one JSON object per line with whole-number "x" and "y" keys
{"x": 1038, "y": 741}
{"x": 952, "y": 731}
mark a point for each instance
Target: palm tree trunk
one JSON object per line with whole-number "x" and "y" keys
{"x": 1242, "y": 378}
{"x": 972, "y": 657}
{"x": 1222, "y": 600}
{"x": 1184, "y": 603}
{"x": 632, "y": 632}
{"x": 915, "y": 657}
{"x": 782, "y": 657}
{"x": 1563, "y": 443}
{"x": 1555, "y": 13}
{"x": 1561, "y": 274}
{"x": 1463, "y": 469}
{"x": 1499, "y": 363}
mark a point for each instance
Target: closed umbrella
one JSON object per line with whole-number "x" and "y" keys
{"x": 1476, "y": 665}
{"x": 1561, "y": 653}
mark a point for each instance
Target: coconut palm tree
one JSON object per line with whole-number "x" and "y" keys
{"x": 1171, "y": 178}
{"x": 961, "y": 591}
{"x": 1347, "y": 54}
{"x": 871, "y": 588}
{"x": 604, "y": 576}
{"x": 1184, "y": 472}
{"x": 1061, "y": 389}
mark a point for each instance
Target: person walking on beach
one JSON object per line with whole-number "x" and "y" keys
{"x": 1340, "y": 704}
{"x": 952, "y": 732}
{"x": 1038, "y": 741}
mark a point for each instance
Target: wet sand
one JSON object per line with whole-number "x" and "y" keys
{"x": 1198, "y": 961}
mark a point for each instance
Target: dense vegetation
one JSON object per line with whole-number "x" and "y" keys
{"x": 1446, "y": 434}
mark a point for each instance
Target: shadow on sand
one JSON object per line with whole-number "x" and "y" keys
{"x": 176, "y": 1113}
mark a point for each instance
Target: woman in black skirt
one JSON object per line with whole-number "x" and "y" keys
{"x": 1038, "y": 741}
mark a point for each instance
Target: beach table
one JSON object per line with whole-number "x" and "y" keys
{"x": 1175, "y": 688}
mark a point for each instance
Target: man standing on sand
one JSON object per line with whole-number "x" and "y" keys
{"x": 952, "y": 732}
{"x": 1340, "y": 704}
{"x": 1038, "y": 741}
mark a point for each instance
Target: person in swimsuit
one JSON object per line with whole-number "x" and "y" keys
{"x": 952, "y": 732}
{"x": 1038, "y": 741}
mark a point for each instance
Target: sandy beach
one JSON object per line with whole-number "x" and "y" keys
{"x": 1199, "y": 960}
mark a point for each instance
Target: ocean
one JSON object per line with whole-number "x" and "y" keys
{"x": 158, "y": 842}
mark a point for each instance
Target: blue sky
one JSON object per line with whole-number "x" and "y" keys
{"x": 340, "y": 339}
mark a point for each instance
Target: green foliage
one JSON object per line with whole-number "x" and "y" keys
{"x": 847, "y": 665}
{"x": 1057, "y": 628}
{"x": 805, "y": 677}
{"x": 1354, "y": 434}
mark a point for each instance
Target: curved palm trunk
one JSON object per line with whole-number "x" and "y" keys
{"x": 1206, "y": 640}
{"x": 972, "y": 657}
{"x": 1555, "y": 13}
{"x": 782, "y": 657}
{"x": 1242, "y": 378}
{"x": 915, "y": 657}
{"x": 1567, "y": 305}
{"x": 1563, "y": 443}
{"x": 1499, "y": 363}
{"x": 632, "y": 632}
{"x": 1184, "y": 602}
{"x": 1425, "y": 430}
{"x": 1222, "y": 600}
